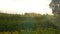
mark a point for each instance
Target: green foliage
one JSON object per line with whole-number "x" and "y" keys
{"x": 42, "y": 24}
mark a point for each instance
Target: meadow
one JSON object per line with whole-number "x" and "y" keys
{"x": 29, "y": 24}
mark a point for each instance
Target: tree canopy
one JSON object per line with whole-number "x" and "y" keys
{"x": 55, "y": 6}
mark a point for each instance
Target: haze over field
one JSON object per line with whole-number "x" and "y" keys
{"x": 23, "y": 6}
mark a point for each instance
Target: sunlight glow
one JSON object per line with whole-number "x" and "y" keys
{"x": 23, "y": 6}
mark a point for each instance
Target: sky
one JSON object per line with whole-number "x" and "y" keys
{"x": 23, "y": 6}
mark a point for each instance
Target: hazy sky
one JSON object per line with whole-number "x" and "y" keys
{"x": 23, "y": 6}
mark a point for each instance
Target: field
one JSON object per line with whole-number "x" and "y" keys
{"x": 29, "y": 24}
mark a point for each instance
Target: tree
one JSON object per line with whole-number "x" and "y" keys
{"x": 55, "y": 6}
